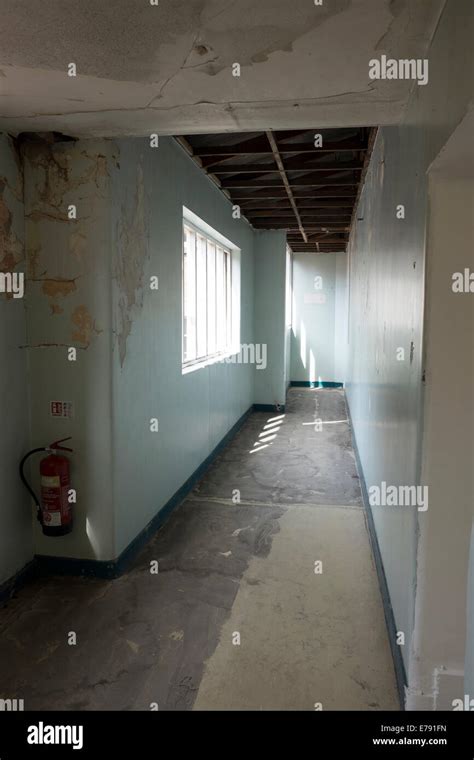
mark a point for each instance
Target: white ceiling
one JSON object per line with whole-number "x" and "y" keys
{"x": 167, "y": 68}
{"x": 456, "y": 158}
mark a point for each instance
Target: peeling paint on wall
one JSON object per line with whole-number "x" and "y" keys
{"x": 62, "y": 250}
{"x": 16, "y": 547}
{"x": 78, "y": 244}
{"x": 85, "y": 325}
{"x": 55, "y": 288}
{"x": 68, "y": 305}
{"x": 133, "y": 250}
{"x": 55, "y": 177}
{"x": 11, "y": 247}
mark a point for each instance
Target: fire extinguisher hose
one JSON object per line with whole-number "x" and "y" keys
{"x": 24, "y": 480}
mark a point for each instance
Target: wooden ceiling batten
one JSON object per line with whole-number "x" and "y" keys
{"x": 285, "y": 180}
{"x": 289, "y": 191}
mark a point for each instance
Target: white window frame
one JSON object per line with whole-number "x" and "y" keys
{"x": 289, "y": 289}
{"x": 213, "y": 237}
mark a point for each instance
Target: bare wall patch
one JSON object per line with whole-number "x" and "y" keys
{"x": 132, "y": 252}
{"x": 85, "y": 327}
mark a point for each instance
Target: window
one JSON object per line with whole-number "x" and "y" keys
{"x": 207, "y": 296}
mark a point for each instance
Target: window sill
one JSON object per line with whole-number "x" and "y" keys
{"x": 188, "y": 368}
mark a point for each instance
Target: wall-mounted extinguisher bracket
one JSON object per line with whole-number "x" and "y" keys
{"x": 53, "y": 509}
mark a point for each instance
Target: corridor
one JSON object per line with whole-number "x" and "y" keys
{"x": 266, "y": 595}
{"x": 236, "y": 282}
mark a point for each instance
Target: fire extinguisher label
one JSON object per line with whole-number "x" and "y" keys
{"x": 52, "y": 518}
{"x": 50, "y": 481}
{"x": 55, "y": 506}
{"x": 56, "y": 511}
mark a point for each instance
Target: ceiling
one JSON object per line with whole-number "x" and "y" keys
{"x": 456, "y": 158}
{"x": 167, "y": 68}
{"x": 290, "y": 180}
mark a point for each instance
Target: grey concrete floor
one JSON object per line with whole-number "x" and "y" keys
{"x": 237, "y": 618}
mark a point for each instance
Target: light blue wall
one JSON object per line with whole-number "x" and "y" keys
{"x": 386, "y": 301}
{"x": 89, "y": 288}
{"x": 341, "y": 322}
{"x": 16, "y": 545}
{"x": 448, "y": 445}
{"x": 270, "y": 288}
{"x": 149, "y": 188}
{"x": 386, "y": 314}
{"x": 288, "y": 313}
{"x": 319, "y": 318}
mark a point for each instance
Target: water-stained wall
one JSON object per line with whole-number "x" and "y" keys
{"x": 16, "y": 547}
{"x": 67, "y": 212}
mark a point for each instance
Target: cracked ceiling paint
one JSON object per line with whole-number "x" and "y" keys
{"x": 168, "y": 68}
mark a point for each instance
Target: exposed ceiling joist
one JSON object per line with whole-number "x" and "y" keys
{"x": 317, "y": 248}
{"x": 308, "y": 229}
{"x": 316, "y": 181}
{"x": 258, "y": 147}
{"x": 279, "y": 212}
{"x": 288, "y": 181}
{"x": 299, "y": 166}
{"x": 308, "y": 225}
{"x": 343, "y": 191}
{"x": 335, "y": 205}
{"x": 284, "y": 178}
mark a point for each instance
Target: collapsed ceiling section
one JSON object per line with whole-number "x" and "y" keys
{"x": 306, "y": 182}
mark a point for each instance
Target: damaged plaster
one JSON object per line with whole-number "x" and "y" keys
{"x": 68, "y": 234}
{"x": 85, "y": 325}
{"x": 16, "y": 546}
{"x": 56, "y": 176}
{"x": 12, "y": 252}
{"x": 58, "y": 288}
{"x": 61, "y": 251}
{"x": 132, "y": 237}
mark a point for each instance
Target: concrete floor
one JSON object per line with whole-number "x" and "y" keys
{"x": 226, "y": 571}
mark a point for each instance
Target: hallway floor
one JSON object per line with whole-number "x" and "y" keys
{"x": 228, "y": 570}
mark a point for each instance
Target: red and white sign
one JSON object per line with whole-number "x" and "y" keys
{"x": 63, "y": 409}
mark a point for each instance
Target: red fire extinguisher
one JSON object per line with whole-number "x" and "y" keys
{"x": 54, "y": 511}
